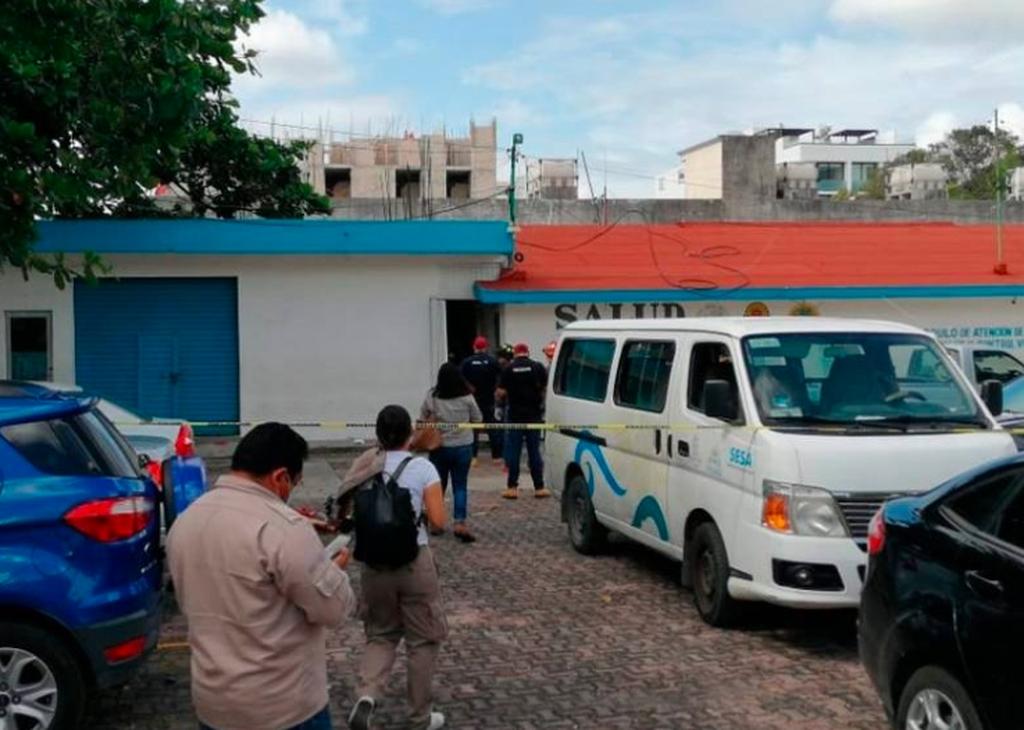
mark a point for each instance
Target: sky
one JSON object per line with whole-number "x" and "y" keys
{"x": 631, "y": 82}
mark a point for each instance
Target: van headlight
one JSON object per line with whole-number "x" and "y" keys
{"x": 801, "y": 510}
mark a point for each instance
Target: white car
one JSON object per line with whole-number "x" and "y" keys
{"x": 157, "y": 439}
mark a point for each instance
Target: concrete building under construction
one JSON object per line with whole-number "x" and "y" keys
{"x": 410, "y": 167}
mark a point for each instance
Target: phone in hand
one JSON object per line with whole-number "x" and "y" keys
{"x": 341, "y": 542}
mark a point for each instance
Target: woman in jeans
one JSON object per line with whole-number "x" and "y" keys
{"x": 451, "y": 401}
{"x": 401, "y": 603}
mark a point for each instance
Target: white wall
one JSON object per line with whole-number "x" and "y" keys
{"x": 702, "y": 171}
{"x": 997, "y": 323}
{"x": 320, "y": 338}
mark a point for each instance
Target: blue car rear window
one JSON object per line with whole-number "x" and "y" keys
{"x": 70, "y": 446}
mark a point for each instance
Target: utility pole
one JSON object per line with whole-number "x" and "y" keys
{"x": 517, "y": 139}
{"x": 1000, "y": 267}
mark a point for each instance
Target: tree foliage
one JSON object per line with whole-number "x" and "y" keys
{"x": 875, "y": 187}
{"x": 101, "y": 100}
{"x": 969, "y": 156}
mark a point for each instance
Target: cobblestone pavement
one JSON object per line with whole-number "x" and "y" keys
{"x": 544, "y": 638}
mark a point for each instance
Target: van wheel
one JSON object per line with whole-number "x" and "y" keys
{"x": 933, "y": 698}
{"x": 588, "y": 536}
{"x": 41, "y": 684}
{"x": 709, "y": 574}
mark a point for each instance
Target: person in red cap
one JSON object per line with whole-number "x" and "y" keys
{"x": 522, "y": 386}
{"x": 482, "y": 370}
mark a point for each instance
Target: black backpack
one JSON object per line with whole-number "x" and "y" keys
{"x": 387, "y": 531}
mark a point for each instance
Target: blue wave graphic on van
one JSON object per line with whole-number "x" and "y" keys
{"x": 588, "y": 447}
{"x": 647, "y": 509}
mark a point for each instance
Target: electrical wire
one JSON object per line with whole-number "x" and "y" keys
{"x": 708, "y": 255}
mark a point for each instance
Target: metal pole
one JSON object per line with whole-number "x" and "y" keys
{"x": 517, "y": 139}
{"x": 1000, "y": 263}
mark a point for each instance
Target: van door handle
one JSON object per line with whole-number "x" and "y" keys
{"x": 982, "y": 585}
{"x": 657, "y": 441}
{"x": 683, "y": 448}
{"x": 669, "y": 446}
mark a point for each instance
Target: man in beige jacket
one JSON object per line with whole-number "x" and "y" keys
{"x": 259, "y": 593}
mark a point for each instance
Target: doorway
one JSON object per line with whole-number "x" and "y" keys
{"x": 467, "y": 319}
{"x": 29, "y": 346}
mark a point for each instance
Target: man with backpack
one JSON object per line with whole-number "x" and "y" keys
{"x": 396, "y": 495}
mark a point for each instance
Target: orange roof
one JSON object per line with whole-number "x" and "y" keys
{"x": 775, "y": 260}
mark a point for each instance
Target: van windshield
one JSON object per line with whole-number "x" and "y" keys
{"x": 856, "y": 379}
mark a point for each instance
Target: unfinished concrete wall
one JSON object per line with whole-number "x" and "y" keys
{"x": 748, "y": 167}
{"x": 669, "y": 211}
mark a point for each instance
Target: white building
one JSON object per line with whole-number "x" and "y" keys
{"x": 669, "y": 185}
{"x": 920, "y": 181}
{"x": 1017, "y": 184}
{"x": 255, "y": 320}
{"x": 845, "y": 159}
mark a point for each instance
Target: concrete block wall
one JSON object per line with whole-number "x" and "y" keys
{"x": 669, "y": 211}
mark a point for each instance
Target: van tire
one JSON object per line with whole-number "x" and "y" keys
{"x": 51, "y": 653}
{"x": 709, "y": 576}
{"x": 587, "y": 535}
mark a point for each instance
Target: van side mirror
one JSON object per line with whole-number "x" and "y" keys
{"x": 992, "y": 395}
{"x": 719, "y": 400}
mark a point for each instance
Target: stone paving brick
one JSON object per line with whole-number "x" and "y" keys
{"x": 544, "y": 638}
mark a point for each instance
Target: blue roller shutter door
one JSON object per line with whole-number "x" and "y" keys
{"x": 164, "y": 347}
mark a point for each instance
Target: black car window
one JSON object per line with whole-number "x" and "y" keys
{"x": 115, "y": 452}
{"x": 996, "y": 507}
{"x": 53, "y": 447}
{"x": 80, "y": 445}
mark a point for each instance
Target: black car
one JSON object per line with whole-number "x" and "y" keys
{"x": 942, "y": 611}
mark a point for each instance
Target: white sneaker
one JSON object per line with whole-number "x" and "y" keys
{"x": 362, "y": 713}
{"x": 436, "y": 721}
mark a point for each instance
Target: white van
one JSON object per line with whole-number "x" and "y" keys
{"x": 756, "y": 450}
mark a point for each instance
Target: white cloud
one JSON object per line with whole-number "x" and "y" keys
{"x": 292, "y": 55}
{"x": 947, "y": 18}
{"x": 456, "y": 7}
{"x": 340, "y": 17}
{"x": 1011, "y": 117}
{"x": 646, "y": 85}
{"x": 934, "y": 128}
{"x": 513, "y": 112}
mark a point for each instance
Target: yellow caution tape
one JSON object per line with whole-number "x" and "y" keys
{"x": 680, "y": 427}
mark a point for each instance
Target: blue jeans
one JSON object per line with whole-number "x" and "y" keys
{"x": 454, "y": 461}
{"x": 319, "y": 721}
{"x": 514, "y": 452}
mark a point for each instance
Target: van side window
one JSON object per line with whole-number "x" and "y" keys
{"x": 996, "y": 365}
{"x": 710, "y": 361}
{"x": 583, "y": 369}
{"x": 644, "y": 371}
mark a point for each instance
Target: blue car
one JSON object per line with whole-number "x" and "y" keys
{"x": 81, "y": 570}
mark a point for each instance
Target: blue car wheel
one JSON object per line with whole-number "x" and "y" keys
{"x": 41, "y": 686}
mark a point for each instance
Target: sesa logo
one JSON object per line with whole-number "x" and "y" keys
{"x": 741, "y": 458}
